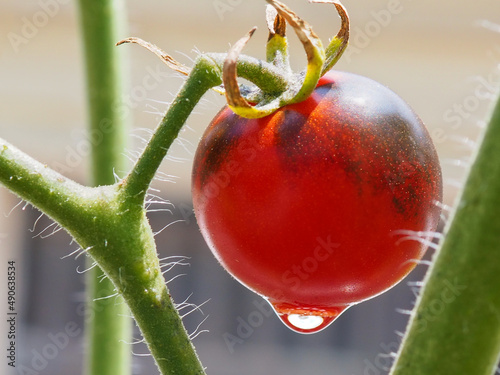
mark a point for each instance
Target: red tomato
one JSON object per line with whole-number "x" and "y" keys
{"x": 309, "y": 206}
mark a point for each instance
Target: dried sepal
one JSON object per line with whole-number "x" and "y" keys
{"x": 165, "y": 57}
{"x": 312, "y": 45}
{"x": 235, "y": 100}
{"x": 338, "y": 44}
{"x": 277, "y": 45}
{"x": 275, "y": 22}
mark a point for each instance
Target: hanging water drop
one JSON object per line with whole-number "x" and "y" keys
{"x": 306, "y": 323}
{"x": 307, "y": 320}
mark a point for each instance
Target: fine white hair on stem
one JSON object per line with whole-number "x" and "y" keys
{"x": 455, "y": 162}
{"x": 106, "y": 297}
{"x": 181, "y": 261}
{"x": 102, "y": 277}
{"x": 87, "y": 269}
{"x": 116, "y": 177}
{"x": 420, "y": 234}
{"x": 185, "y": 144}
{"x": 443, "y": 206}
{"x": 184, "y": 304}
{"x": 36, "y": 222}
{"x": 170, "y": 257}
{"x": 135, "y": 342}
{"x": 481, "y": 124}
{"x": 129, "y": 157}
{"x": 137, "y": 133}
{"x": 176, "y": 159}
{"x": 197, "y": 330}
{"x": 164, "y": 177}
{"x": 13, "y": 208}
{"x": 175, "y": 277}
{"x": 194, "y": 308}
{"x": 56, "y": 228}
{"x": 155, "y": 203}
{"x": 155, "y": 111}
{"x": 465, "y": 141}
{"x": 400, "y": 334}
{"x": 187, "y": 127}
{"x": 423, "y": 241}
{"x": 156, "y": 199}
{"x": 169, "y": 224}
{"x": 387, "y": 355}
{"x": 404, "y": 311}
{"x": 79, "y": 251}
{"x": 418, "y": 284}
{"x": 132, "y": 155}
{"x": 153, "y": 189}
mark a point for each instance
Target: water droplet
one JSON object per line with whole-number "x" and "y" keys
{"x": 308, "y": 321}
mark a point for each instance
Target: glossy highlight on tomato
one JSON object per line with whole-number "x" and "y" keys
{"x": 311, "y": 206}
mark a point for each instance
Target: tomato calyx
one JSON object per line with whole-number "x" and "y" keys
{"x": 275, "y": 84}
{"x": 300, "y": 85}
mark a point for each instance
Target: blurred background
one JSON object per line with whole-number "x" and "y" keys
{"x": 442, "y": 57}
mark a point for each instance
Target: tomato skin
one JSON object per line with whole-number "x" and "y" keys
{"x": 305, "y": 206}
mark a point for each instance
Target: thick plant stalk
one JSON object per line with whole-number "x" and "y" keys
{"x": 455, "y": 328}
{"x": 109, "y": 331}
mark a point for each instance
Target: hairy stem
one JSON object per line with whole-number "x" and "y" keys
{"x": 455, "y": 328}
{"x": 57, "y": 196}
{"x": 205, "y": 75}
{"x": 102, "y": 25}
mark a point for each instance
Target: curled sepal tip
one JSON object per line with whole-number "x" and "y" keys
{"x": 313, "y": 47}
{"x": 338, "y": 44}
{"x": 235, "y": 100}
{"x": 165, "y": 57}
{"x": 275, "y": 22}
{"x": 277, "y": 47}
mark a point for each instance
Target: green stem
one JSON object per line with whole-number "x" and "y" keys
{"x": 102, "y": 26}
{"x": 57, "y": 196}
{"x": 120, "y": 240}
{"x": 269, "y": 78}
{"x": 205, "y": 75}
{"x": 456, "y": 326}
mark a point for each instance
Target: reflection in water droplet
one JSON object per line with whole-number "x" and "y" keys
{"x": 307, "y": 320}
{"x": 306, "y": 323}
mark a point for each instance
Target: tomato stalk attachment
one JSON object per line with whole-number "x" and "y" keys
{"x": 300, "y": 85}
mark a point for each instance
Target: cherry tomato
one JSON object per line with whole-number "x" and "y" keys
{"x": 314, "y": 206}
